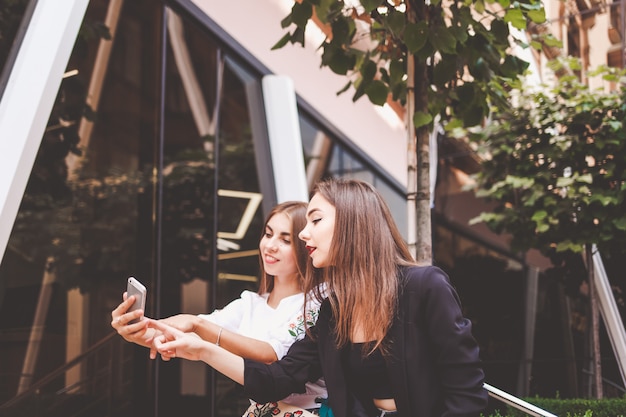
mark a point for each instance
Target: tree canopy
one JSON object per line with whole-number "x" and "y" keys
{"x": 555, "y": 165}
{"x": 465, "y": 47}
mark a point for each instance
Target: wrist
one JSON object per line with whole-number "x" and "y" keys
{"x": 195, "y": 323}
{"x": 219, "y": 336}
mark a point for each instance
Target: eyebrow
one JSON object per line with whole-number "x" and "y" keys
{"x": 267, "y": 226}
{"x": 313, "y": 210}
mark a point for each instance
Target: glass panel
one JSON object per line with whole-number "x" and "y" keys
{"x": 240, "y": 217}
{"x": 498, "y": 320}
{"x": 11, "y": 14}
{"x": 188, "y": 206}
{"x": 197, "y": 76}
{"x": 327, "y": 157}
{"x": 84, "y": 226}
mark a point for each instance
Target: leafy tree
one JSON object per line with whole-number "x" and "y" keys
{"x": 555, "y": 165}
{"x": 555, "y": 168}
{"x": 450, "y": 59}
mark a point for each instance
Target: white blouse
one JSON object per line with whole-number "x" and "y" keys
{"x": 251, "y": 316}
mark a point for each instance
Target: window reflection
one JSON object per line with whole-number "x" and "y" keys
{"x": 169, "y": 186}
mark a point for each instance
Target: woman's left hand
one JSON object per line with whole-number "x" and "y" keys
{"x": 172, "y": 343}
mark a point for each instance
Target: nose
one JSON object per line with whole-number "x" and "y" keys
{"x": 304, "y": 234}
{"x": 272, "y": 244}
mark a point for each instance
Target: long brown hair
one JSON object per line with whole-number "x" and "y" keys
{"x": 365, "y": 254}
{"x": 296, "y": 212}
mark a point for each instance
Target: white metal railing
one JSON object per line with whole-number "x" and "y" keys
{"x": 518, "y": 403}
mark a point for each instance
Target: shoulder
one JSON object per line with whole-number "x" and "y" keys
{"x": 253, "y": 296}
{"x": 416, "y": 277}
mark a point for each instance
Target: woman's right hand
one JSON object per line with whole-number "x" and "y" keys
{"x": 139, "y": 332}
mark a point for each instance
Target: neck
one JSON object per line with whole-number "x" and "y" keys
{"x": 284, "y": 287}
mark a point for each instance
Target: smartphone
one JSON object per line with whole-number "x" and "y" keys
{"x": 137, "y": 289}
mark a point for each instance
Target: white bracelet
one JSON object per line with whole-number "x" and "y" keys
{"x": 219, "y": 335}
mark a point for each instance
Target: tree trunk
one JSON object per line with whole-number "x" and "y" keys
{"x": 411, "y": 185}
{"x": 422, "y": 196}
{"x": 418, "y": 170}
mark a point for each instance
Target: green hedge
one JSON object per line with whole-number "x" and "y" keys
{"x": 575, "y": 407}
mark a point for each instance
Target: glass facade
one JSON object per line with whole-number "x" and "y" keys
{"x": 152, "y": 165}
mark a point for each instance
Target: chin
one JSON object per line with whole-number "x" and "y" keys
{"x": 319, "y": 264}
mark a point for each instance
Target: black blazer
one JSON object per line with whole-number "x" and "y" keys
{"x": 433, "y": 365}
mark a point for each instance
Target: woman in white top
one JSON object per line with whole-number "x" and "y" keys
{"x": 260, "y": 326}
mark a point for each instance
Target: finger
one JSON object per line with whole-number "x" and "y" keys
{"x": 153, "y": 352}
{"x": 159, "y": 325}
{"x": 123, "y": 307}
{"x": 167, "y": 348}
{"x": 122, "y": 323}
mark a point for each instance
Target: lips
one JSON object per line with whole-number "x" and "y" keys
{"x": 311, "y": 249}
{"x": 270, "y": 259}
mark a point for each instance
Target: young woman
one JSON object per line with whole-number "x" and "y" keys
{"x": 389, "y": 340}
{"x": 259, "y": 326}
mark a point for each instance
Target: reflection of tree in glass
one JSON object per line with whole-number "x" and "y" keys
{"x": 11, "y": 13}
{"x": 188, "y": 190}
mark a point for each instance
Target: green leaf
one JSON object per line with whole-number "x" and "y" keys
{"x": 421, "y": 119}
{"x": 396, "y": 22}
{"x": 298, "y": 36}
{"x": 301, "y": 13}
{"x": 537, "y": 16}
{"x": 474, "y": 115}
{"x": 479, "y": 6}
{"x": 568, "y": 245}
{"x": 368, "y": 70}
{"x": 516, "y": 18}
{"x": 370, "y": 5}
{"x": 443, "y": 40}
{"x": 519, "y": 182}
{"x": 415, "y": 36}
{"x": 500, "y": 30}
{"x": 465, "y": 93}
{"x": 551, "y": 41}
{"x": 620, "y": 223}
{"x": 286, "y": 21}
{"x": 445, "y": 70}
{"x": 377, "y": 92}
{"x": 340, "y": 63}
{"x": 396, "y": 71}
{"x": 282, "y": 42}
{"x": 539, "y": 215}
{"x": 338, "y": 60}
{"x": 342, "y": 29}
{"x": 542, "y": 228}
{"x": 345, "y": 88}
{"x": 324, "y": 9}
{"x": 536, "y": 45}
{"x": 562, "y": 182}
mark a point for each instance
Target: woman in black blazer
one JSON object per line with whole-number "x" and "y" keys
{"x": 390, "y": 338}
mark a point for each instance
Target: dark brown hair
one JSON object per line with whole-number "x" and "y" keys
{"x": 365, "y": 253}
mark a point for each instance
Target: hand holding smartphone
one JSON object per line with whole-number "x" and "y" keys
{"x": 137, "y": 289}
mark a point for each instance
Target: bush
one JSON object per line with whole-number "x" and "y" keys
{"x": 574, "y": 407}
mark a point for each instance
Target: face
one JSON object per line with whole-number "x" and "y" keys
{"x": 319, "y": 229}
{"x": 276, "y": 247}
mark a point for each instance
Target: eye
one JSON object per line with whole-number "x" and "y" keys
{"x": 286, "y": 241}
{"x": 315, "y": 221}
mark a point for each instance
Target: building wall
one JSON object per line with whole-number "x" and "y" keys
{"x": 256, "y": 26}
